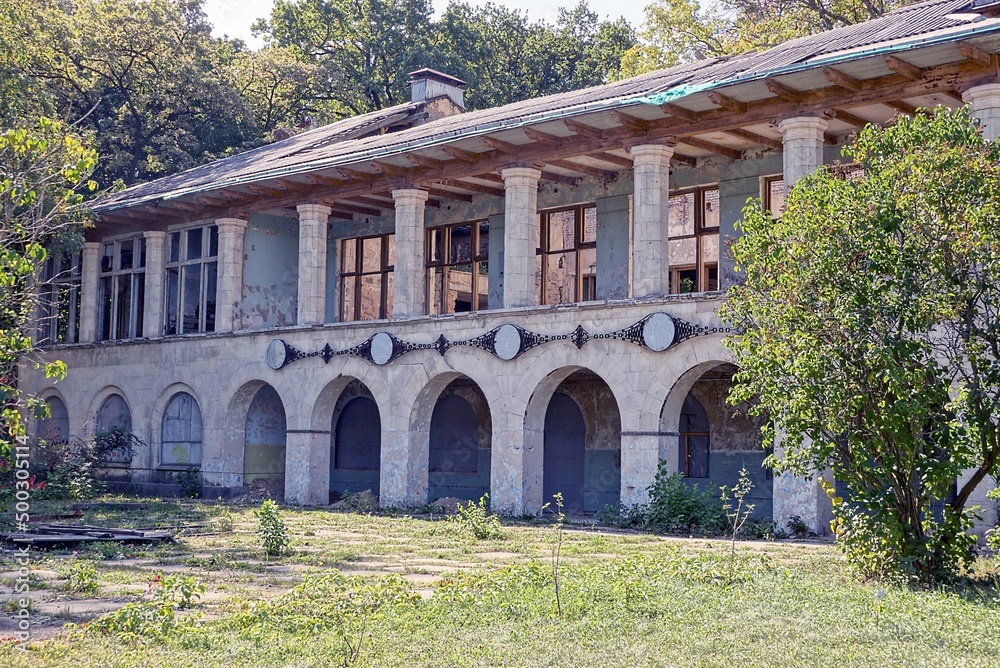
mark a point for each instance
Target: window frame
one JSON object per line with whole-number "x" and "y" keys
{"x": 193, "y": 462}
{"x": 111, "y": 278}
{"x": 542, "y": 252}
{"x": 67, "y": 280}
{"x": 766, "y": 198}
{"x": 357, "y": 274}
{"x": 476, "y": 259}
{"x": 700, "y": 232}
{"x": 205, "y": 260}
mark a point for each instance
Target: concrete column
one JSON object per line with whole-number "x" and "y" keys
{"x": 90, "y": 269}
{"x": 794, "y": 495}
{"x": 640, "y": 460}
{"x": 307, "y": 467}
{"x": 152, "y": 298}
{"x": 313, "y": 219}
{"x": 802, "y": 139}
{"x": 229, "y": 290}
{"x": 520, "y": 223}
{"x": 409, "y": 287}
{"x": 650, "y": 243}
{"x": 984, "y": 104}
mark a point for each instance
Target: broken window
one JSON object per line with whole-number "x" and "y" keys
{"x": 458, "y": 268}
{"x": 191, "y": 279}
{"x": 121, "y": 289}
{"x": 774, "y": 196}
{"x": 59, "y": 299}
{"x": 566, "y": 263}
{"x": 180, "y": 432}
{"x": 113, "y": 426}
{"x": 693, "y": 228}
{"x": 366, "y": 265}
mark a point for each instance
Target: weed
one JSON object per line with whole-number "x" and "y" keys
{"x": 677, "y": 506}
{"x": 736, "y": 516}
{"x": 557, "y": 547}
{"x": 272, "y": 529}
{"x": 476, "y": 519}
{"x": 797, "y": 527}
{"x": 190, "y": 481}
{"x": 82, "y": 578}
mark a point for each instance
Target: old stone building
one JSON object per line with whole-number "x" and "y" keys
{"x": 430, "y": 302}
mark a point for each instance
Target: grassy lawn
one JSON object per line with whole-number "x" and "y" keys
{"x": 364, "y": 590}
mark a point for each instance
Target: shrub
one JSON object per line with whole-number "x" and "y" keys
{"x": 190, "y": 481}
{"x": 272, "y": 529}
{"x": 476, "y": 519}
{"x": 676, "y": 506}
{"x": 82, "y": 578}
{"x": 797, "y": 527}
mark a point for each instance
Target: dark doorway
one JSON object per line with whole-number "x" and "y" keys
{"x": 564, "y": 452}
{"x": 356, "y": 442}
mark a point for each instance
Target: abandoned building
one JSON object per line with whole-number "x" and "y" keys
{"x": 430, "y": 302}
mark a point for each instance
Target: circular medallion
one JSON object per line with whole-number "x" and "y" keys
{"x": 658, "y": 332}
{"x": 277, "y": 354}
{"x": 507, "y": 342}
{"x": 381, "y": 349}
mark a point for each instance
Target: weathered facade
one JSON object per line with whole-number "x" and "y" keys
{"x": 428, "y": 302}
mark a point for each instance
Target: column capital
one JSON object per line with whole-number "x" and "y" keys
{"x": 91, "y": 247}
{"x": 520, "y": 176}
{"x": 234, "y": 224}
{"x": 313, "y": 211}
{"x": 803, "y": 127}
{"x": 651, "y": 154}
{"x": 154, "y": 235}
{"x": 982, "y": 97}
{"x": 411, "y": 196}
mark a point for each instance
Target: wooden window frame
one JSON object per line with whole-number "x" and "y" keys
{"x": 357, "y": 273}
{"x": 700, "y": 231}
{"x": 476, "y": 259}
{"x": 542, "y": 251}
{"x": 204, "y": 261}
{"x": 110, "y": 278}
{"x": 63, "y": 280}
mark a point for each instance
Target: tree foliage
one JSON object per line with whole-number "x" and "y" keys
{"x": 44, "y": 171}
{"x": 869, "y": 323}
{"x": 678, "y": 31}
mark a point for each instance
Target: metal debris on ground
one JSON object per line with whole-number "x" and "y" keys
{"x": 58, "y": 535}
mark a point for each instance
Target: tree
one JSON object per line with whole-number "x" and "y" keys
{"x": 45, "y": 170}
{"x": 679, "y": 31}
{"x": 869, "y": 322}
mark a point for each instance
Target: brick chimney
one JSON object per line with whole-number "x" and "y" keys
{"x": 443, "y": 95}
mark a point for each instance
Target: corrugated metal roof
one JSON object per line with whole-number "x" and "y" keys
{"x": 338, "y": 143}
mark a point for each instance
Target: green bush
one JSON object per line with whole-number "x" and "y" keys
{"x": 82, "y": 578}
{"x": 190, "y": 481}
{"x": 475, "y": 519}
{"x": 272, "y": 529}
{"x": 676, "y": 506}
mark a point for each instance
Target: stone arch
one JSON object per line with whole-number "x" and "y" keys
{"x": 264, "y": 440}
{"x": 355, "y": 441}
{"x": 56, "y": 427}
{"x": 112, "y": 424}
{"x": 573, "y": 415}
{"x": 459, "y": 444}
{"x": 710, "y": 441}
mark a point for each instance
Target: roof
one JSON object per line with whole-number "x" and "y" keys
{"x": 918, "y": 26}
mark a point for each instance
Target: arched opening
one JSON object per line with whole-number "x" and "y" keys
{"x": 264, "y": 443}
{"x": 459, "y": 446}
{"x": 356, "y": 442}
{"x": 113, "y": 428}
{"x": 180, "y": 432}
{"x": 715, "y": 440}
{"x": 55, "y": 427}
{"x": 581, "y": 456}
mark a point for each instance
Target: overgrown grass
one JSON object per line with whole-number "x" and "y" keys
{"x": 411, "y": 591}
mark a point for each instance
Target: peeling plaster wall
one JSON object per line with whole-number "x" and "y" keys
{"x": 264, "y": 437}
{"x": 270, "y": 272}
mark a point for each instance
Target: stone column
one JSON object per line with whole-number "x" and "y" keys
{"x": 229, "y": 290}
{"x": 409, "y": 289}
{"x": 307, "y": 467}
{"x": 794, "y": 495}
{"x": 520, "y": 223}
{"x": 313, "y": 219}
{"x": 152, "y": 298}
{"x": 650, "y": 243}
{"x": 802, "y": 139}
{"x": 984, "y": 104}
{"x": 89, "y": 307}
{"x": 640, "y": 459}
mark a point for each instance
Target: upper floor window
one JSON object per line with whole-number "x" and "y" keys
{"x": 121, "y": 289}
{"x": 366, "y": 277}
{"x": 566, "y": 263}
{"x": 458, "y": 268}
{"x": 59, "y": 299}
{"x": 774, "y": 196}
{"x": 693, "y": 226}
{"x": 192, "y": 272}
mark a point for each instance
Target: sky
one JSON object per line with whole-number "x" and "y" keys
{"x": 234, "y": 17}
